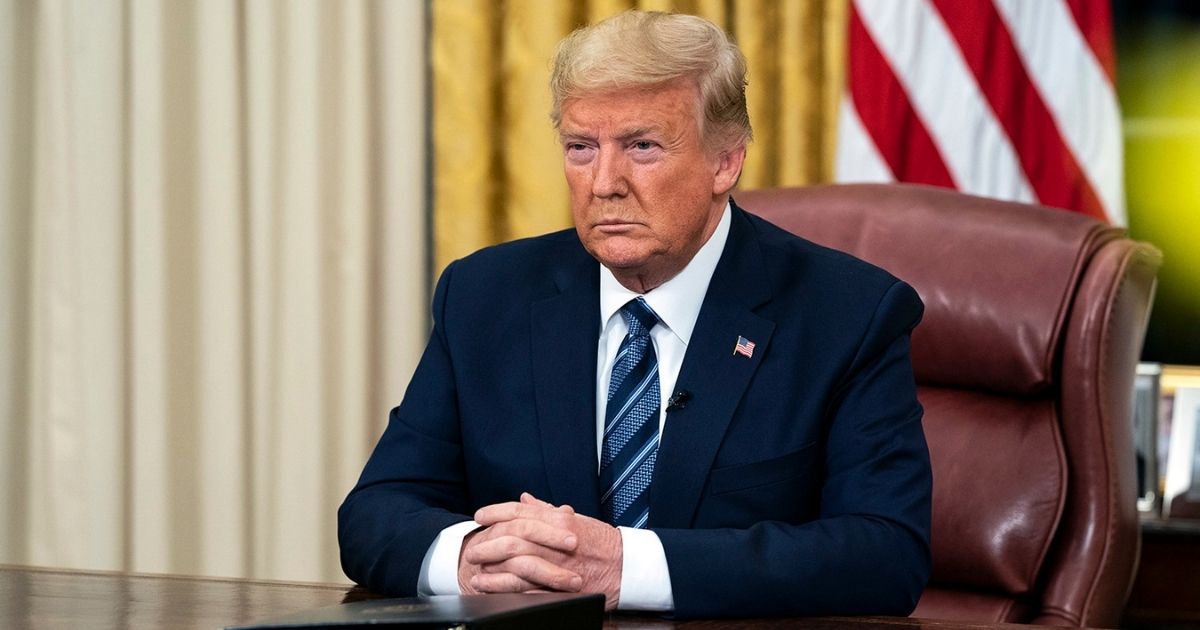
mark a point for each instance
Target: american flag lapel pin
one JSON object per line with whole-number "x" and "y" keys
{"x": 744, "y": 347}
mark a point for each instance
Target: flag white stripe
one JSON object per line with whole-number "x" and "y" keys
{"x": 946, "y": 97}
{"x": 857, "y": 158}
{"x": 1076, "y": 90}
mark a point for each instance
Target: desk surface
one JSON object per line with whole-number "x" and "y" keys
{"x": 46, "y": 598}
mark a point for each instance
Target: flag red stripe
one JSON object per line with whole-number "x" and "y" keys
{"x": 1050, "y": 166}
{"x": 888, "y": 116}
{"x": 1095, "y": 22}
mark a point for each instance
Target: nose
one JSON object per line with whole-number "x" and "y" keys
{"x": 609, "y": 175}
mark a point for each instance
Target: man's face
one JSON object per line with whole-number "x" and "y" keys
{"x": 645, "y": 193}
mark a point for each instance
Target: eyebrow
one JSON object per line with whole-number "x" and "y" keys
{"x": 623, "y": 135}
{"x": 570, "y": 136}
{"x": 629, "y": 134}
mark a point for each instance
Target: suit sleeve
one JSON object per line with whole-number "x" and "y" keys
{"x": 413, "y": 486}
{"x": 868, "y": 552}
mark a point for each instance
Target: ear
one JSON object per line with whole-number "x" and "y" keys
{"x": 729, "y": 169}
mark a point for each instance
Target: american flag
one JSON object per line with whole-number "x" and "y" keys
{"x": 744, "y": 347}
{"x": 1012, "y": 99}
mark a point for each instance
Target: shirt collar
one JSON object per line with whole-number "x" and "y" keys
{"x": 678, "y": 300}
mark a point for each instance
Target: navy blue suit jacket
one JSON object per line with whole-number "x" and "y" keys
{"x": 794, "y": 482}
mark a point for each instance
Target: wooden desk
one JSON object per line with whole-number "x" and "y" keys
{"x": 43, "y": 599}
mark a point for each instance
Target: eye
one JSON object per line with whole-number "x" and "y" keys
{"x": 577, "y": 152}
{"x": 644, "y": 151}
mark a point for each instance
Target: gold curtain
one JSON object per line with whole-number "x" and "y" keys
{"x": 496, "y": 163}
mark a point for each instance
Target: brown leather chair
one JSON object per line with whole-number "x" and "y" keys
{"x": 1034, "y": 320}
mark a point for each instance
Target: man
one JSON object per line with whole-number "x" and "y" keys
{"x": 737, "y": 401}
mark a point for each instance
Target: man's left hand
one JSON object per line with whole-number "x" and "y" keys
{"x": 597, "y": 557}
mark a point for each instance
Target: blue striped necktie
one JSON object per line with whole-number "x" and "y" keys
{"x": 631, "y": 422}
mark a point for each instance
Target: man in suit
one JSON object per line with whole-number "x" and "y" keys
{"x": 676, "y": 403}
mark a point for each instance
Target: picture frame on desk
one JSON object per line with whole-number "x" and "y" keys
{"x": 1147, "y": 407}
{"x": 1181, "y": 491}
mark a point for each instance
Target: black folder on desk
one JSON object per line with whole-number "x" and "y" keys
{"x": 470, "y": 612}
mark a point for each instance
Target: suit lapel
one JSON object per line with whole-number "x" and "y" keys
{"x": 714, "y": 374}
{"x": 565, "y": 332}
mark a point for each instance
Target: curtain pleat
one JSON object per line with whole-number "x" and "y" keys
{"x": 466, "y": 103}
{"x": 214, "y": 275}
{"x": 497, "y": 166}
{"x": 74, "y": 332}
{"x": 527, "y": 31}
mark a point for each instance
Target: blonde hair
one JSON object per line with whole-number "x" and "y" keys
{"x": 639, "y": 49}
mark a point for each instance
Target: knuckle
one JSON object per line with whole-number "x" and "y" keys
{"x": 513, "y": 583}
{"x": 522, "y": 566}
{"x": 516, "y": 583}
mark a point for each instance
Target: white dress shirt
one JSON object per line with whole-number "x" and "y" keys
{"x": 645, "y": 581}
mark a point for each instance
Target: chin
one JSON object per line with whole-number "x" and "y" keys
{"x": 622, "y": 263}
{"x": 618, "y": 255}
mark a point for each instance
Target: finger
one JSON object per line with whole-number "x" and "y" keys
{"x": 497, "y": 512}
{"x": 506, "y": 547}
{"x": 538, "y": 572}
{"x": 527, "y": 506}
{"x": 500, "y": 512}
{"x": 529, "y": 499}
{"x": 534, "y": 531}
{"x": 512, "y": 510}
{"x": 500, "y": 583}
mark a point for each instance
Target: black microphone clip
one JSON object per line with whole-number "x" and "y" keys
{"x": 679, "y": 400}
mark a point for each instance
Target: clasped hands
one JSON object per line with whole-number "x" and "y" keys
{"x": 533, "y": 546}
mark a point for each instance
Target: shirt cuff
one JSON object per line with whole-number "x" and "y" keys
{"x": 645, "y": 580}
{"x": 439, "y": 569}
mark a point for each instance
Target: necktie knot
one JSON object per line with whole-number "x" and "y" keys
{"x": 639, "y": 317}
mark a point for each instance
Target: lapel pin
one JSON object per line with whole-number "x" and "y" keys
{"x": 744, "y": 347}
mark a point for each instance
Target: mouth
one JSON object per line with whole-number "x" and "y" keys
{"x": 613, "y": 226}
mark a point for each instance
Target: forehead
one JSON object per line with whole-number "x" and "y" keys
{"x": 670, "y": 105}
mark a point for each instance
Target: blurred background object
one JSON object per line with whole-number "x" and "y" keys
{"x": 1158, "y": 82}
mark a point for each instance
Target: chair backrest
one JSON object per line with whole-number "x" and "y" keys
{"x": 1034, "y": 320}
